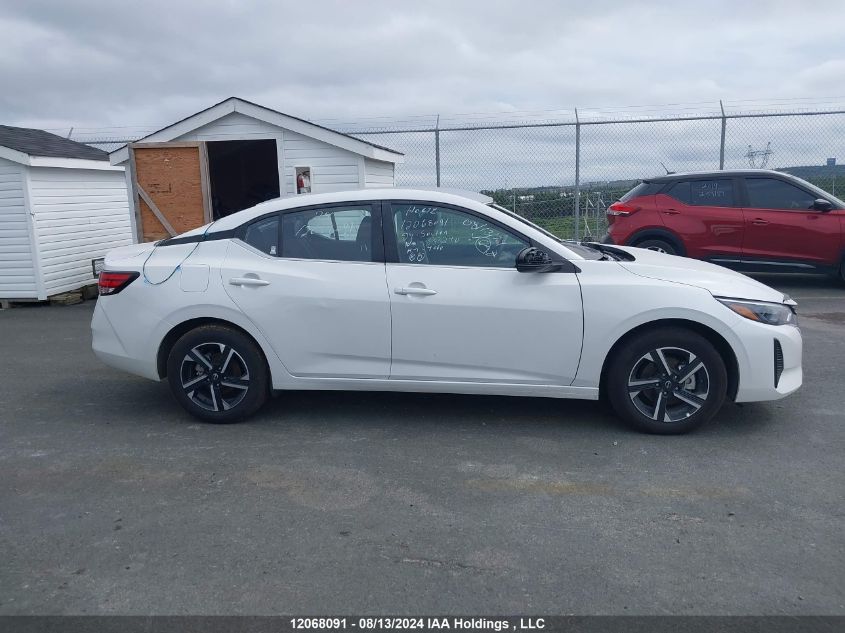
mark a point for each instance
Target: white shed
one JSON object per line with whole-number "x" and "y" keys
{"x": 234, "y": 155}
{"x": 62, "y": 204}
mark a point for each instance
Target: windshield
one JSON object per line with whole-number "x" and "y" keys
{"x": 584, "y": 251}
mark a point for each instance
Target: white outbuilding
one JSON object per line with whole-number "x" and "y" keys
{"x": 62, "y": 205}
{"x": 234, "y": 155}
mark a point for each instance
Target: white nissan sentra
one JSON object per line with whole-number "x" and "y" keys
{"x": 409, "y": 290}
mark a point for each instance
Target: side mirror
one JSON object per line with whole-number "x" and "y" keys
{"x": 533, "y": 260}
{"x": 822, "y": 205}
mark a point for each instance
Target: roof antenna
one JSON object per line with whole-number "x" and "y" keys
{"x": 668, "y": 173}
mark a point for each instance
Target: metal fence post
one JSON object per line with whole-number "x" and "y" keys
{"x": 437, "y": 149}
{"x": 722, "y": 144}
{"x": 577, "y": 176}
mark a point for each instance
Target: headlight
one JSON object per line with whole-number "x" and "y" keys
{"x": 769, "y": 313}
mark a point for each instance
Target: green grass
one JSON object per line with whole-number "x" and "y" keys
{"x": 564, "y": 227}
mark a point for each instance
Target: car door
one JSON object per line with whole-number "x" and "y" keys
{"x": 313, "y": 281}
{"x": 781, "y": 226}
{"x": 462, "y": 312}
{"x": 704, "y": 213}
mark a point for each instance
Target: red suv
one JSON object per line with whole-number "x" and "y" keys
{"x": 751, "y": 220}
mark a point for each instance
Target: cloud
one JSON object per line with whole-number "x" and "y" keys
{"x": 128, "y": 63}
{"x": 95, "y": 64}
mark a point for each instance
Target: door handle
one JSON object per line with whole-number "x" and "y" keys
{"x": 414, "y": 291}
{"x": 671, "y": 212}
{"x": 248, "y": 281}
{"x": 759, "y": 222}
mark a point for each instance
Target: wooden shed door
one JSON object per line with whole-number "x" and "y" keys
{"x": 172, "y": 179}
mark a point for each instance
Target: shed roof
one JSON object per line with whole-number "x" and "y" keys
{"x": 39, "y": 143}
{"x": 268, "y": 115}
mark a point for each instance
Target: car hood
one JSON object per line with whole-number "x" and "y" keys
{"x": 720, "y": 281}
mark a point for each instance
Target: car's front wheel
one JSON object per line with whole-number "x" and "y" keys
{"x": 667, "y": 381}
{"x": 218, "y": 374}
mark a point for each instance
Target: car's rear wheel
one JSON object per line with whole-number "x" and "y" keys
{"x": 218, "y": 374}
{"x": 667, "y": 381}
{"x": 661, "y": 246}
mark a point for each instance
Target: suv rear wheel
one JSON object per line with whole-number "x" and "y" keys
{"x": 667, "y": 381}
{"x": 661, "y": 246}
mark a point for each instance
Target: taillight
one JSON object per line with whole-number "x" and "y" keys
{"x": 111, "y": 282}
{"x": 622, "y": 208}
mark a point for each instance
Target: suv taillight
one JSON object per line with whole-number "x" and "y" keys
{"x": 622, "y": 208}
{"x": 111, "y": 282}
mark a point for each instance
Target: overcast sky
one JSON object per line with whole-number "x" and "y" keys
{"x": 148, "y": 63}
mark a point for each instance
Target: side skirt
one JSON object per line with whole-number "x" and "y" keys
{"x": 439, "y": 386}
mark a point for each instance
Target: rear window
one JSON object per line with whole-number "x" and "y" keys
{"x": 642, "y": 189}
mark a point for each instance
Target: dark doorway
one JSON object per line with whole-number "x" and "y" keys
{"x": 241, "y": 174}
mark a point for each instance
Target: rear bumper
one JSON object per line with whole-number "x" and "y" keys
{"x": 109, "y": 348}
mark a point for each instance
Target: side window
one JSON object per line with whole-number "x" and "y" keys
{"x": 680, "y": 191}
{"x": 264, "y": 235}
{"x": 446, "y": 237}
{"x": 712, "y": 193}
{"x": 642, "y": 189}
{"x": 703, "y": 193}
{"x": 770, "y": 193}
{"x": 333, "y": 233}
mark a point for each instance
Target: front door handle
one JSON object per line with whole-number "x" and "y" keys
{"x": 759, "y": 222}
{"x": 248, "y": 281}
{"x": 414, "y": 291}
{"x": 671, "y": 212}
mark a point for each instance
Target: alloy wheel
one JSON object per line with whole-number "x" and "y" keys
{"x": 669, "y": 384}
{"x": 214, "y": 376}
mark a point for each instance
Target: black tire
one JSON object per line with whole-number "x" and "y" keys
{"x": 687, "y": 401}
{"x": 218, "y": 374}
{"x": 842, "y": 272}
{"x": 655, "y": 244}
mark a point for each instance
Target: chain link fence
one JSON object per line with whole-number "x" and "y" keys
{"x": 564, "y": 170}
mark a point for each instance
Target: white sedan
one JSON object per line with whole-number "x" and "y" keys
{"x": 409, "y": 290}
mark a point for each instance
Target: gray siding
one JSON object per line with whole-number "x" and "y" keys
{"x": 332, "y": 168}
{"x": 232, "y": 127}
{"x": 80, "y": 214}
{"x": 378, "y": 173}
{"x": 17, "y": 272}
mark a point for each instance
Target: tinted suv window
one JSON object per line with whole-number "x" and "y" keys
{"x": 711, "y": 193}
{"x": 717, "y": 192}
{"x": 770, "y": 193}
{"x": 264, "y": 235}
{"x": 446, "y": 237}
{"x": 680, "y": 191}
{"x": 334, "y": 233}
{"x": 642, "y": 189}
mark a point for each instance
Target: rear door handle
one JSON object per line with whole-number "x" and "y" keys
{"x": 248, "y": 281}
{"x": 671, "y": 212}
{"x": 414, "y": 291}
{"x": 759, "y": 222}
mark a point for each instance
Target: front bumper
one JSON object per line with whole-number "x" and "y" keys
{"x": 762, "y": 380}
